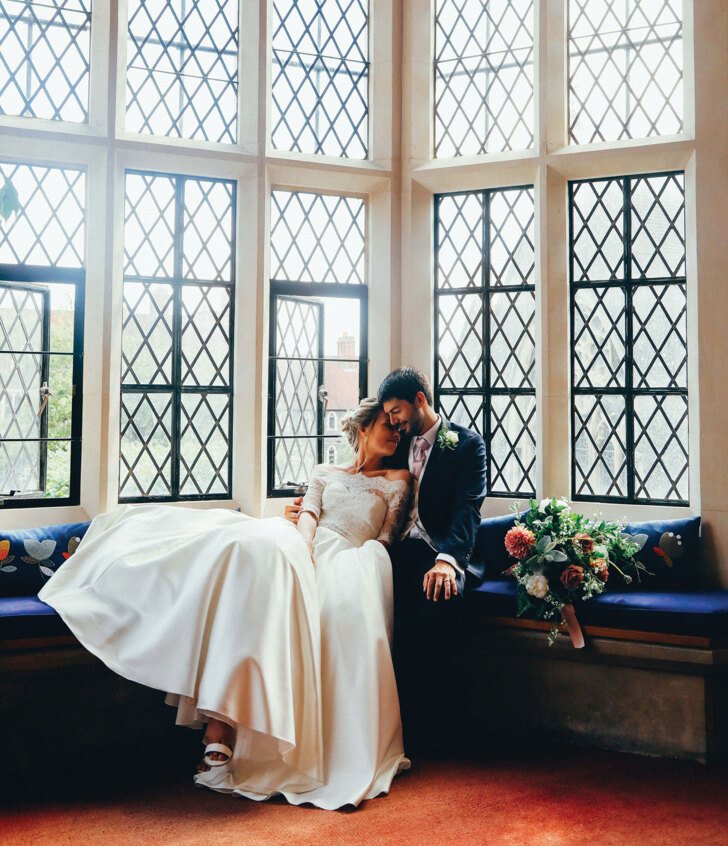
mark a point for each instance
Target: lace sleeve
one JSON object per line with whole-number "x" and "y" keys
{"x": 398, "y": 502}
{"x": 312, "y": 500}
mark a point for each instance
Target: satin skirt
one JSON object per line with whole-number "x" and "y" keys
{"x": 228, "y": 615}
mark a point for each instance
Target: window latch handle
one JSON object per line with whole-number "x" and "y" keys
{"x": 323, "y": 396}
{"x": 45, "y": 394}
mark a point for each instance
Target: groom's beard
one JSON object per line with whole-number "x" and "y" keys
{"x": 413, "y": 427}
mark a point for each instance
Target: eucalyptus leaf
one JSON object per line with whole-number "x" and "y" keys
{"x": 558, "y": 555}
{"x": 640, "y": 540}
{"x": 543, "y": 544}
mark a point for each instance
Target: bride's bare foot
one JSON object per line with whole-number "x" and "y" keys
{"x": 216, "y": 732}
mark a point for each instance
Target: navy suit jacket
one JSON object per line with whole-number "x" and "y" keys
{"x": 452, "y": 489}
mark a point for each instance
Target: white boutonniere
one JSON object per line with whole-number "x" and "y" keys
{"x": 447, "y": 439}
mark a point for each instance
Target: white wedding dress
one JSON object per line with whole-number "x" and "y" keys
{"x": 229, "y": 616}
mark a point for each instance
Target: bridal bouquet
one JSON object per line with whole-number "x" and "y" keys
{"x": 563, "y": 557}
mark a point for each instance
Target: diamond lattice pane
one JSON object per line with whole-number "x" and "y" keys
{"x": 294, "y": 460}
{"x": 465, "y": 409}
{"x": 49, "y": 228}
{"x": 658, "y": 226}
{"x": 483, "y": 76}
{"x": 512, "y": 339}
{"x": 599, "y": 337}
{"x": 460, "y": 341}
{"x": 149, "y": 226}
{"x": 204, "y": 429}
{"x": 297, "y": 372}
{"x": 317, "y": 238}
{"x": 512, "y": 252}
{"x": 297, "y": 401}
{"x": 460, "y": 247}
{"x": 625, "y": 69}
{"x": 206, "y": 335}
{"x": 146, "y": 335}
{"x": 182, "y": 69}
{"x": 660, "y": 355}
{"x": 320, "y": 77}
{"x": 145, "y": 466}
{"x": 512, "y": 444}
{"x": 207, "y": 233}
{"x": 661, "y": 447}
{"x": 598, "y": 231}
{"x": 22, "y": 319}
{"x": 20, "y": 467}
{"x": 600, "y": 446}
{"x": 44, "y": 59}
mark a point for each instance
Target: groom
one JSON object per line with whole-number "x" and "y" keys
{"x": 435, "y": 556}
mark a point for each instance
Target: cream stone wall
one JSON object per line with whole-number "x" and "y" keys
{"x": 398, "y": 184}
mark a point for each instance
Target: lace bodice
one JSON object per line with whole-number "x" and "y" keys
{"x": 356, "y": 506}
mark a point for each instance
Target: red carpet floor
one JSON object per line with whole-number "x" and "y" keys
{"x": 566, "y": 796}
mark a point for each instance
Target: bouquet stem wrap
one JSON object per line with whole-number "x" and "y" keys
{"x": 573, "y": 627}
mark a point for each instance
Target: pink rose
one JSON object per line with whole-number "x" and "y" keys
{"x": 584, "y": 542}
{"x": 572, "y": 577}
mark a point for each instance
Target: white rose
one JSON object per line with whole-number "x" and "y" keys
{"x": 537, "y": 585}
{"x": 560, "y": 501}
{"x": 601, "y": 551}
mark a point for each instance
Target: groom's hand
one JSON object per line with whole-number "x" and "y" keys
{"x": 293, "y": 512}
{"x": 440, "y": 581}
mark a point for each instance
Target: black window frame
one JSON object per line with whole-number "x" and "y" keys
{"x": 310, "y": 290}
{"x": 26, "y": 274}
{"x": 175, "y": 387}
{"x": 484, "y": 291}
{"x": 629, "y": 284}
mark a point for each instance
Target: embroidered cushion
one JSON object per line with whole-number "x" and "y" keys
{"x": 29, "y": 557}
{"x": 671, "y": 553}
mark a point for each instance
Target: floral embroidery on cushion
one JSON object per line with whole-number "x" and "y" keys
{"x": 39, "y": 552}
{"x": 6, "y": 558}
{"x": 671, "y": 547}
{"x": 72, "y": 547}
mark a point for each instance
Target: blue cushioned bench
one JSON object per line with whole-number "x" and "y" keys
{"x": 702, "y": 614}
{"x": 652, "y": 678}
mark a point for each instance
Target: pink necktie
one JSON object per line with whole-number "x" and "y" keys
{"x": 419, "y": 453}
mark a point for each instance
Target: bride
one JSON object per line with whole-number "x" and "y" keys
{"x": 276, "y": 638}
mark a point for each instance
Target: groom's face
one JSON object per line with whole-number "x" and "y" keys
{"x": 406, "y": 417}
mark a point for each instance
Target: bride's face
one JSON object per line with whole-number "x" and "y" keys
{"x": 381, "y": 437}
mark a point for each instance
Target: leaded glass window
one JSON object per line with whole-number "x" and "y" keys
{"x": 483, "y": 76}
{"x": 44, "y": 59}
{"x": 177, "y": 337}
{"x": 42, "y": 276}
{"x": 320, "y": 89}
{"x": 318, "y": 331}
{"x": 629, "y": 339}
{"x": 485, "y": 327}
{"x": 182, "y": 69}
{"x": 625, "y": 69}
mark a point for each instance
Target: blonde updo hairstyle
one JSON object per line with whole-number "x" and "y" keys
{"x": 359, "y": 420}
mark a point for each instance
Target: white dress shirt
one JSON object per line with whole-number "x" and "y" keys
{"x": 416, "y": 529}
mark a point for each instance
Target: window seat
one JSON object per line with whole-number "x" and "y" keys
{"x": 652, "y": 678}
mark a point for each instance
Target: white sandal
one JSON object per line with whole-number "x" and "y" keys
{"x": 217, "y": 747}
